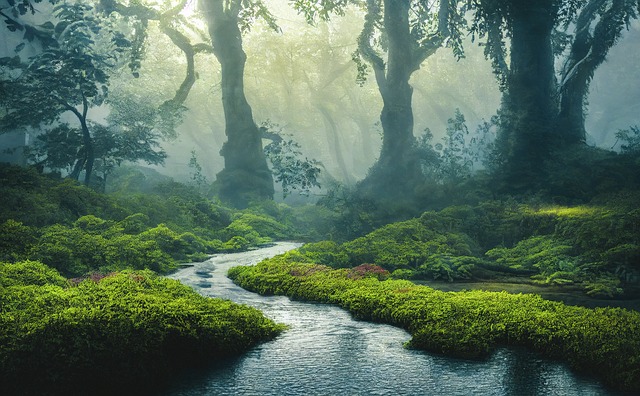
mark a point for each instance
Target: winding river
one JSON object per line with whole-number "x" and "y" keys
{"x": 326, "y": 352}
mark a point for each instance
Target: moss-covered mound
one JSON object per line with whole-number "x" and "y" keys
{"x": 78, "y": 231}
{"x": 595, "y": 247}
{"x": 124, "y": 332}
{"x": 602, "y": 342}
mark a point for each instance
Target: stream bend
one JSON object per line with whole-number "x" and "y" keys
{"x": 327, "y": 352}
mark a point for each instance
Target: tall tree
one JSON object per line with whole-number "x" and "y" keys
{"x": 246, "y": 175}
{"x": 396, "y": 38}
{"x": 542, "y": 109}
{"x": 598, "y": 27}
{"x": 70, "y": 75}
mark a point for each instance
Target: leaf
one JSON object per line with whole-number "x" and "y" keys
{"x": 48, "y": 25}
{"x": 19, "y": 47}
{"x": 28, "y": 33}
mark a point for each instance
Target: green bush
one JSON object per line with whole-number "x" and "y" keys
{"x": 601, "y": 342}
{"x": 132, "y": 328}
{"x": 265, "y": 226}
{"x": 26, "y": 273}
{"x": 130, "y": 251}
{"x": 325, "y": 252}
{"x": 16, "y": 239}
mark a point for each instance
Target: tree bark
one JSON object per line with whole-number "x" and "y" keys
{"x": 88, "y": 158}
{"x": 528, "y": 106}
{"x": 89, "y": 152}
{"x": 588, "y": 51}
{"x": 246, "y": 175}
{"x": 398, "y": 168}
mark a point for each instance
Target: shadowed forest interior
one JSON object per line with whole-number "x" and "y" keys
{"x": 465, "y": 170}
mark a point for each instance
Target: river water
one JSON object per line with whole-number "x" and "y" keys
{"x": 326, "y": 352}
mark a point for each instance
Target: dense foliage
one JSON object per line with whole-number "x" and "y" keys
{"x": 594, "y": 247}
{"x": 126, "y": 330}
{"x": 77, "y": 231}
{"x": 601, "y": 342}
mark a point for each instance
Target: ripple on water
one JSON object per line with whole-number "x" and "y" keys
{"x": 327, "y": 352}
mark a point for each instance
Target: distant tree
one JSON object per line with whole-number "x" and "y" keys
{"x": 598, "y": 27}
{"x": 70, "y": 75}
{"x": 396, "y": 38}
{"x": 133, "y": 133}
{"x": 128, "y": 136}
{"x": 173, "y": 23}
{"x": 542, "y": 109}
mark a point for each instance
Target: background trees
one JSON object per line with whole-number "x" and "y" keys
{"x": 71, "y": 74}
{"x": 543, "y": 109}
{"x": 303, "y": 80}
{"x": 396, "y": 38}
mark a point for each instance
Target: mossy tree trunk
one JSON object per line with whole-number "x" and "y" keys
{"x": 398, "y": 169}
{"x": 246, "y": 175}
{"x": 528, "y": 107}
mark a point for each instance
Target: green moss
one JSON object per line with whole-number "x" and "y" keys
{"x": 132, "y": 328}
{"x": 601, "y": 342}
{"x": 586, "y": 246}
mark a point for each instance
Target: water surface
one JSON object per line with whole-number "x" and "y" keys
{"x": 327, "y": 352}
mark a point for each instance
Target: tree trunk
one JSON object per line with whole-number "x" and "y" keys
{"x": 77, "y": 168}
{"x": 588, "y": 50}
{"x": 333, "y": 138}
{"x": 246, "y": 175}
{"x": 398, "y": 168}
{"x": 528, "y": 106}
{"x": 87, "y": 142}
{"x": 89, "y": 152}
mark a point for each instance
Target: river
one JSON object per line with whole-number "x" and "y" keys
{"x": 326, "y": 352}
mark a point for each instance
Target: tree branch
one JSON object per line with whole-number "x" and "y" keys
{"x": 365, "y": 49}
{"x": 429, "y": 46}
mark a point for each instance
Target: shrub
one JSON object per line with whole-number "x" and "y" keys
{"x": 16, "y": 239}
{"x": 26, "y": 273}
{"x": 602, "y": 342}
{"x": 133, "y": 328}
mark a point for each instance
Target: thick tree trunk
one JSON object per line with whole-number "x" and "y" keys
{"x": 528, "y": 105}
{"x": 398, "y": 168}
{"x": 246, "y": 175}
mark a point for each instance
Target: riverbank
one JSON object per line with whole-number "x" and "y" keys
{"x": 567, "y": 295}
{"x": 603, "y": 343}
{"x": 131, "y": 330}
{"x": 326, "y": 351}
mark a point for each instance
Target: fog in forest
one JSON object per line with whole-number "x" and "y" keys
{"x": 302, "y": 82}
{"x": 464, "y": 171}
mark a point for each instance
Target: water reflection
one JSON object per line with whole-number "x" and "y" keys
{"x": 327, "y": 352}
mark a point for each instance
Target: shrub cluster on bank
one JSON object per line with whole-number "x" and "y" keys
{"x": 594, "y": 247}
{"x": 121, "y": 332}
{"x": 602, "y": 342}
{"x": 77, "y": 231}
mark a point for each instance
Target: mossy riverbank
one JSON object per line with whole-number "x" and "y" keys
{"x": 124, "y": 333}
{"x": 602, "y": 342}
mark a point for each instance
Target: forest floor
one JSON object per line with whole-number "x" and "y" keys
{"x": 568, "y": 295}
